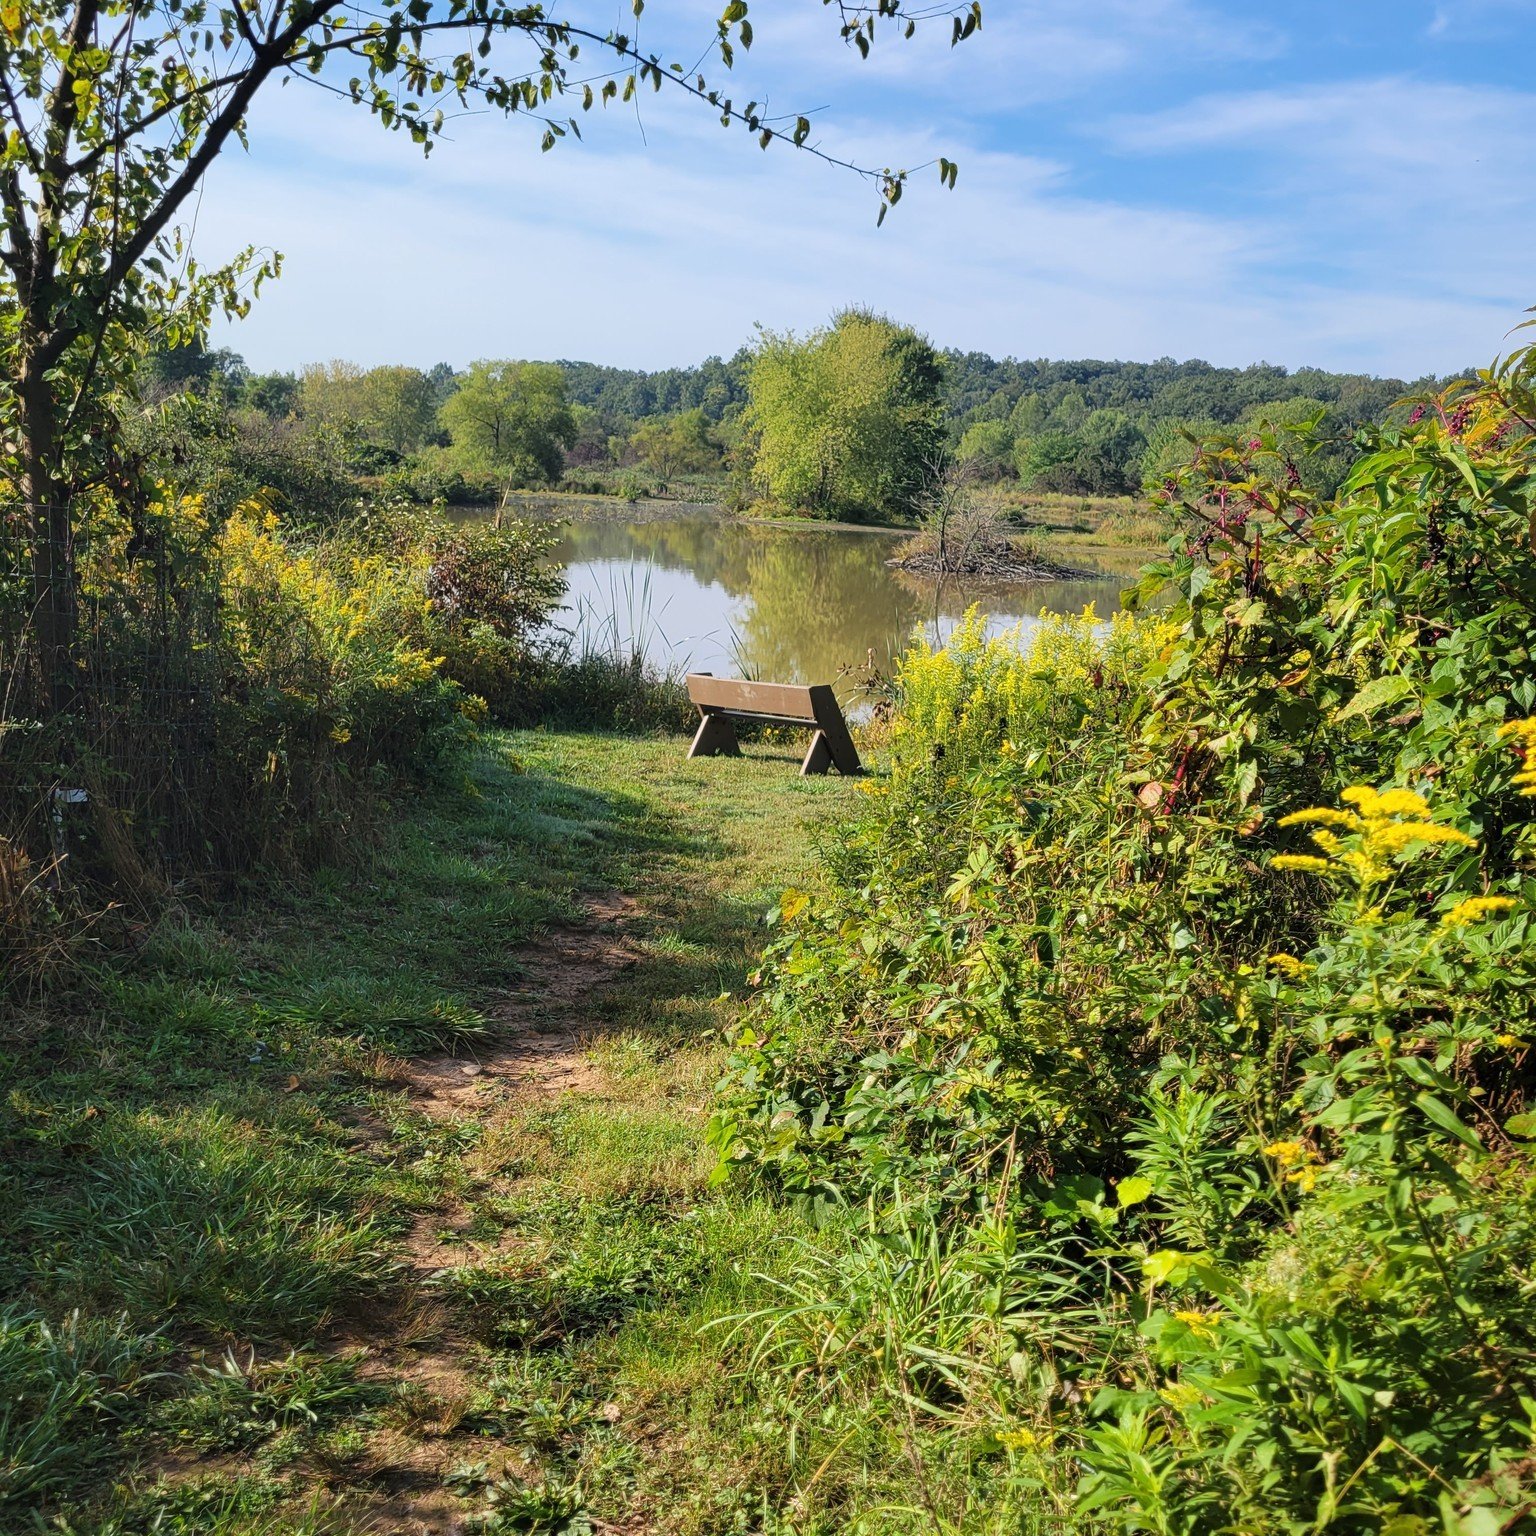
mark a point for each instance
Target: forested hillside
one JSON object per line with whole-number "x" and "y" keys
{"x": 1085, "y": 428}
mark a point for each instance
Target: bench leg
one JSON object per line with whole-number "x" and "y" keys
{"x": 819, "y": 758}
{"x": 716, "y": 738}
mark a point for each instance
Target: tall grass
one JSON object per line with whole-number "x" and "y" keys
{"x": 64, "y": 1388}
{"x": 614, "y": 667}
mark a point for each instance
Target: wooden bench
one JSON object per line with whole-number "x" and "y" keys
{"x": 721, "y": 700}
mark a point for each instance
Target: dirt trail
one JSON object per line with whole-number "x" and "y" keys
{"x": 544, "y": 1024}
{"x": 415, "y": 1344}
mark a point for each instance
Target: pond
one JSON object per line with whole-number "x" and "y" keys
{"x": 786, "y": 603}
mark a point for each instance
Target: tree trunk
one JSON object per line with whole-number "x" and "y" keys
{"x": 53, "y": 552}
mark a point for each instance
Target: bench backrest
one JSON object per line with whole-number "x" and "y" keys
{"x": 770, "y": 701}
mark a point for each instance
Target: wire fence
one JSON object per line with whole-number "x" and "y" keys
{"x": 108, "y": 744}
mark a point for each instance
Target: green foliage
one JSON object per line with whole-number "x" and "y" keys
{"x": 676, "y": 444}
{"x": 988, "y": 446}
{"x": 193, "y": 1216}
{"x": 240, "y": 1403}
{"x": 513, "y": 418}
{"x": 62, "y": 1391}
{"x": 1099, "y": 457}
{"x": 847, "y": 420}
{"x": 1198, "y": 946}
{"x": 391, "y": 407}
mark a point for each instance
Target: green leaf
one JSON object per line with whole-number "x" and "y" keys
{"x": 1523, "y": 1126}
{"x": 1443, "y": 1116}
{"x": 1132, "y": 1191}
{"x": 1376, "y": 696}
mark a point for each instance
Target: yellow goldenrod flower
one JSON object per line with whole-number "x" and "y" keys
{"x": 1401, "y": 802}
{"x": 1385, "y": 825}
{"x": 1304, "y": 862}
{"x": 1508, "y": 1042}
{"x": 1285, "y": 1152}
{"x": 1474, "y": 908}
{"x": 1289, "y": 965}
{"x": 1393, "y": 837}
{"x": 1323, "y": 815}
{"x": 1524, "y": 734}
{"x": 1018, "y": 1439}
{"x": 1374, "y": 804}
{"x": 1203, "y": 1323}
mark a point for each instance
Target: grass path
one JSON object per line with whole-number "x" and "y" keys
{"x": 386, "y": 1209}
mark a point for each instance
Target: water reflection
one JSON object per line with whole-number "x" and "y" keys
{"x": 787, "y": 603}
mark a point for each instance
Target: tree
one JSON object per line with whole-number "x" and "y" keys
{"x": 987, "y": 448}
{"x": 193, "y": 367}
{"x": 273, "y": 394}
{"x": 848, "y": 421}
{"x": 392, "y": 407}
{"x": 1110, "y": 462}
{"x": 1042, "y": 458}
{"x": 513, "y": 417}
{"x": 113, "y": 111}
{"x": 678, "y": 444}
{"x": 331, "y": 392}
{"x": 1101, "y": 458}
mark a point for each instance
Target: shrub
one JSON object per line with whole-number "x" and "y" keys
{"x": 1199, "y": 945}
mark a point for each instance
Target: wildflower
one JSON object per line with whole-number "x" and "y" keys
{"x": 1391, "y": 802}
{"x": 1304, "y": 862}
{"x": 1524, "y": 733}
{"x": 1474, "y": 909}
{"x": 1297, "y": 1161}
{"x": 1289, "y": 965}
{"x": 1509, "y": 1042}
{"x": 1382, "y": 826}
{"x": 1323, "y": 815}
{"x": 1018, "y": 1439}
{"x": 1202, "y": 1324}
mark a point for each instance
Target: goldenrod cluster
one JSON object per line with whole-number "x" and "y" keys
{"x": 1298, "y": 1162}
{"x": 1523, "y": 733}
{"x": 1364, "y": 842}
{"x": 1475, "y": 908}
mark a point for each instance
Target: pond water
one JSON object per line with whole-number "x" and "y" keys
{"x": 785, "y": 603}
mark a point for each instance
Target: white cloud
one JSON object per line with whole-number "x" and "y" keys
{"x": 661, "y": 252}
{"x": 1399, "y": 182}
{"x": 1459, "y": 20}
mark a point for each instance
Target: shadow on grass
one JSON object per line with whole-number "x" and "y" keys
{"x": 175, "y": 1142}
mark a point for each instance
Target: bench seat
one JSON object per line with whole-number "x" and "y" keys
{"x": 722, "y": 700}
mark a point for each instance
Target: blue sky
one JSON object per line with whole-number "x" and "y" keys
{"x": 1347, "y": 184}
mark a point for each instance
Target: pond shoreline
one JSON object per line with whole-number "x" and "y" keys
{"x": 795, "y": 602}
{"x": 582, "y": 507}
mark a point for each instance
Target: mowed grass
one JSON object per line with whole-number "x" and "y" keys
{"x": 192, "y": 1220}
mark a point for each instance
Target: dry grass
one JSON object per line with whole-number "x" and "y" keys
{"x": 35, "y": 938}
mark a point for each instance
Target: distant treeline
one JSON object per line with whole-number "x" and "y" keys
{"x": 979, "y": 387}
{"x": 1085, "y": 428}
